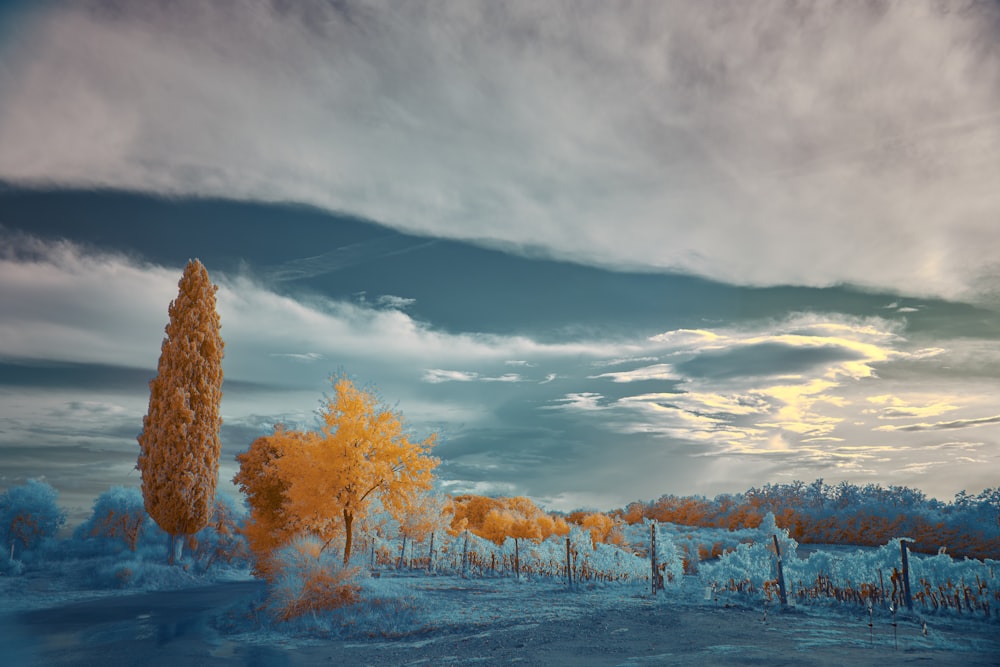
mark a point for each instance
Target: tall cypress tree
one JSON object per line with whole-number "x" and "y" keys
{"x": 179, "y": 445}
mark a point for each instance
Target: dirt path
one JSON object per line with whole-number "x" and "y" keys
{"x": 176, "y": 628}
{"x": 637, "y": 635}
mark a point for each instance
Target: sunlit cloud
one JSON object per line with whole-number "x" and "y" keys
{"x": 894, "y": 407}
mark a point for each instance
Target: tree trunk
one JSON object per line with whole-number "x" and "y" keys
{"x": 348, "y": 528}
{"x": 176, "y": 549}
{"x": 402, "y": 551}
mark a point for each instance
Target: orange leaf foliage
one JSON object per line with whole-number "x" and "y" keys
{"x": 179, "y": 445}
{"x": 496, "y": 519}
{"x": 318, "y": 483}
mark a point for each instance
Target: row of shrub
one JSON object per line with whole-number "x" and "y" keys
{"x": 118, "y": 545}
{"x": 844, "y": 513}
{"x": 866, "y": 577}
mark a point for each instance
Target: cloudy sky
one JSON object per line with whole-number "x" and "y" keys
{"x": 608, "y": 250}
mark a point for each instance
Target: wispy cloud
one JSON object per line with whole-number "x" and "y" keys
{"x": 895, "y": 407}
{"x": 654, "y": 372}
{"x": 438, "y": 375}
{"x": 301, "y": 357}
{"x": 751, "y": 142}
{"x": 397, "y": 302}
{"x": 943, "y": 425}
{"x": 341, "y": 258}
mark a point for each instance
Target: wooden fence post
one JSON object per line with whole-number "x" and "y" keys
{"x": 569, "y": 570}
{"x": 465, "y": 554}
{"x": 781, "y": 574}
{"x": 906, "y": 574}
{"x": 517, "y": 559}
{"x": 652, "y": 557}
{"x": 430, "y": 555}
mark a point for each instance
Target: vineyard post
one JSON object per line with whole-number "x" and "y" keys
{"x": 652, "y": 556}
{"x": 569, "y": 571}
{"x": 465, "y": 552}
{"x": 430, "y": 554}
{"x": 517, "y": 560}
{"x": 906, "y": 573}
{"x": 781, "y": 574}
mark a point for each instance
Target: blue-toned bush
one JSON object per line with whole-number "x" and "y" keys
{"x": 221, "y": 543}
{"x": 29, "y": 515}
{"x": 119, "y": 522}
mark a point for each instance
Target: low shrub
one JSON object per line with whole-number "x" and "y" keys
{"x": 306, "y": 578}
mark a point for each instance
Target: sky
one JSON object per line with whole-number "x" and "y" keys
{"x": 606, "y": 250}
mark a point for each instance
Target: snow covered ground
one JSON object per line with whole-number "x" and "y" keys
{"x": 426, "y": 619}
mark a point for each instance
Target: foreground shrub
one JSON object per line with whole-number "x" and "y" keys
{"x": 306, "y": 578}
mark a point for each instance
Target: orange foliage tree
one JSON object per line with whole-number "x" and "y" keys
{"x": 269, "y": 526}
{"x": 319, "y": 482}
{"x": 602, "y": 528}
{"x": 179, "y": 444}
{"x": 496, "y": 519}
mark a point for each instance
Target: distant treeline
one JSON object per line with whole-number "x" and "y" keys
{"x": 844, "y": 513}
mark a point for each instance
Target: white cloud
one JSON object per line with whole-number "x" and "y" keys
{"x": 758, "y": 143}
{"x": 397, "y": 302}
{"x": 437, "y": 375}
{"x": 49, "y": 312}
{"x": 655, "y": 372}
{"x": 506, "y": 377}
{"x": 586, "y": 401}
